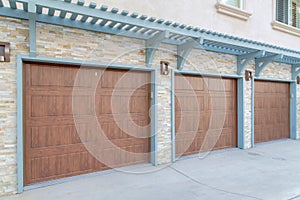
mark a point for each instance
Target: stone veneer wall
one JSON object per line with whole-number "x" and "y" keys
{"x": 62, "y": 42}
{"x": 298, "y": 111}
{"x": 16, "y": 32}
{"x": 283, "y": 71}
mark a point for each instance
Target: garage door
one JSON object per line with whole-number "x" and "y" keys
{"x": 271, "y": 111}
{"x": 53, "y": 146}
{"x": 206, "y": 114}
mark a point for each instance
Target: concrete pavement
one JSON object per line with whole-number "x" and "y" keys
{"x": 268, "y": 171}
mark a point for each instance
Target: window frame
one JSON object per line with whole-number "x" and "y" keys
{"x": 291, "y": 22}
{"x": 240, "y": 2}
{"x": 233, "y": 11}
{"x": 284, "y": 27}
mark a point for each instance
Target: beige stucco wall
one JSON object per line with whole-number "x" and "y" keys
{"x": 203, "y": 14}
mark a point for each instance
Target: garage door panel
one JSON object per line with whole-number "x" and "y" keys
{"x": 271, "y": 110}
{"x": 54, "y": 105}
{"x": 192, "y": 83}
{"x": 57, "y": 76}
{"x": 216, "y": 128}
{"x": 46, "y": 136}
{"x": 217, "y": 120}
{"x": 123, "y": 79}
{"x": 189, "y": 103}
{"x": 52, "y": 140}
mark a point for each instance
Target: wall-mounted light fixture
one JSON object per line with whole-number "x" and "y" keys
{"x": 164, "y": 68}
{"x": 4, "y": 52}
{"x": 248, "y": 75}
{"x": 298, "y": 80}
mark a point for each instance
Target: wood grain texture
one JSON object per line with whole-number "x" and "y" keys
{"x": 53, "y": 147}
{"x": 271, "y": 111}
{"x": 206, "y": 114}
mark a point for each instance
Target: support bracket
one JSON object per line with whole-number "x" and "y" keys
{"x": 295, "y": 71}
{"x": 32, "y": 27}
{"x": 261, "y": 63}
{"x": 244, "y": 59}
{"x": 152, "y": 45}
{"x": 184, "y": 50}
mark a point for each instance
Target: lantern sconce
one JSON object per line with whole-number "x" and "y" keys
{"x": 298, "y": 80}
{"x": 164, "y": 68}
{"x": 4, "y": 52}
{"x": 248, "y": 75}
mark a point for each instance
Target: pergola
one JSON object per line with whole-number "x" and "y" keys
{"x": 153, "y": 31}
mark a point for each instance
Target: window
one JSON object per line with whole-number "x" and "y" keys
{"x": 287, "y": 12}
{"x": 234, "y": 3}
{"x": 295, "y": 14}
{"x": 233, "y": 8}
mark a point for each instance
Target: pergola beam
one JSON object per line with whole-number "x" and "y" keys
{"x": 184, "y": 50}
{"x": 244, "y": 59}
{"x": 161, "y": 26}
{"x": 121, "y": 23}
{"x": 152, "y": 45}
{"x": 261, "y": 63}
{"x": 295, "y": 71}
{"x": 32, "y": 28}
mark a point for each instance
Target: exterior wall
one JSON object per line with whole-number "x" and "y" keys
{"x": 210, "y": 62}
{"x": 283, "y": 71}
{"x": 61, "y": 42}
{"x": 247, "y": 114}
{"x": 298, "y": 111}
{"x": 14, "y": 31}
{"x": 277, "y": 71}
{"x": 164, "y": 151}
{"x": 204, "y": 14}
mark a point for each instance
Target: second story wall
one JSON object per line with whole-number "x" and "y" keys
{"x": 204, "y": 14}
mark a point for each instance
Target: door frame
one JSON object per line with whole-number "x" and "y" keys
{"x": 20, "y": 111}
{"x": 293, "y": 105}
{"x": 240, "y": 104}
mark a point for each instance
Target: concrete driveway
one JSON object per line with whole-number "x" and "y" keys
{"x": 269, "y": 171}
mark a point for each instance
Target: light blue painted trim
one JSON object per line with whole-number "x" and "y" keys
{"x": 20, "y": 162}
{"x": 244, "y": 59}
{"x": 154, "y": 117}
{"x": 152, "y": 45}
{"x": 293, "y": 106}
{"x": 240, "y": 99}
{"x": 32, "y": 28}
{"x": 241, "y": 113}
{"x": 218, "y": 42}
{"x": 173, "y": 154}
{"x": 28, "y": 58}
{"x": 83, "y": 63}
{"x": 252, "y": 111}
{"x": 184, "y": 50}
{"x": 261, "y": 63}
{"x": 293, "y": 110}
{"x": 207, "y": 74}
{"x": 14, "y": 13}
{"x": 295, "y": 71}
{"x": 274, "y": 80}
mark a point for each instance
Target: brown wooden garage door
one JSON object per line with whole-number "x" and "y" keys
{"x": 206, "y": 114}
{"x": 53, "y": 146}
{"x": 271, "y": 110}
